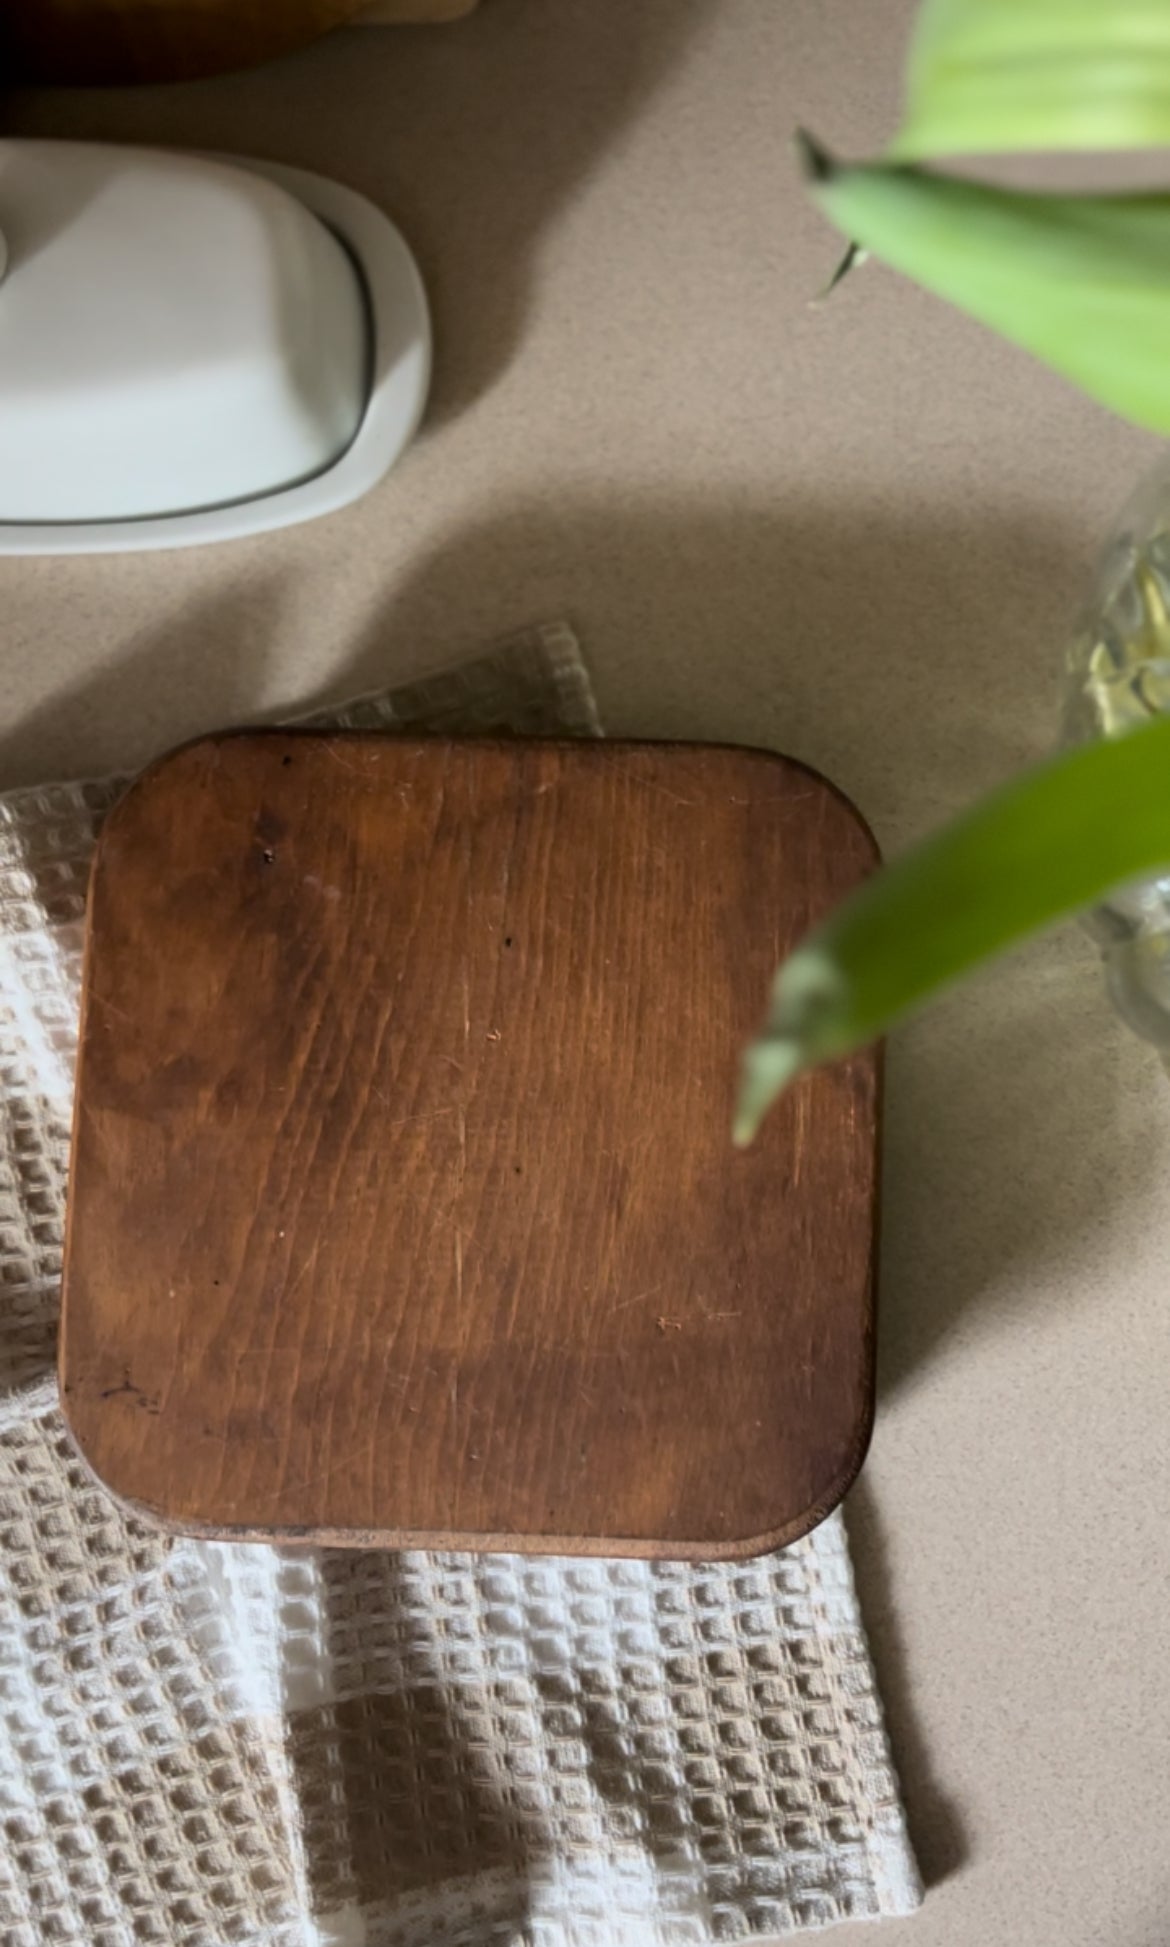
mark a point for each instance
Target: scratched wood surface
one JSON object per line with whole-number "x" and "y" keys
{"x": 403, "y": 1209}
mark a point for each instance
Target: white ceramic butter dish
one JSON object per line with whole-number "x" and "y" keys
{"x": 194, "y": 348}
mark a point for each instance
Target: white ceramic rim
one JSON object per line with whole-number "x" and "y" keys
{"x": 399, "y": 382}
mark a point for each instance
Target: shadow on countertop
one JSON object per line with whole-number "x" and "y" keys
{"x": 936, "y": 1828}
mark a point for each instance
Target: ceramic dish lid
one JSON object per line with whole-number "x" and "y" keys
{"x": 176, "y": 334}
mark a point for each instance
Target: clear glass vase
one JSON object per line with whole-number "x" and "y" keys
{"x": 1117, "y": 677}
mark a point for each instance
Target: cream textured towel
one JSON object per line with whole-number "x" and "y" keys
{"x": 210, "y": 1743}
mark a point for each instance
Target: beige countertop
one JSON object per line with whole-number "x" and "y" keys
{"x": 856, "y": 532}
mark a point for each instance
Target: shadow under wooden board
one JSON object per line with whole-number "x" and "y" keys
{"x": 403, "y": 1208}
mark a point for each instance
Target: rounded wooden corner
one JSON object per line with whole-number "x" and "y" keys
{"x": 749, "y": 1548}
{"x": 823, "y": 1506}
{"x": 832, "y": 790}
{"x": 164, "y": 770}
{"x": 130, "y": 1504}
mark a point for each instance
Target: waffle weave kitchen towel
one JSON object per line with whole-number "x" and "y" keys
{"x": 206, "y": 1743}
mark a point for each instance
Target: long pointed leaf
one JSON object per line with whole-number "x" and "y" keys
{"x": 992, "y": 75}
{"x": 1081, "y": 281}
{"x": 1050, "y": 844}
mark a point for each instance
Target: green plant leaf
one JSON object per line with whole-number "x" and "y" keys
{"x": 1048, "y": 845}
{"x": 987, "y": 76}
{"x": 1081, "y": 281}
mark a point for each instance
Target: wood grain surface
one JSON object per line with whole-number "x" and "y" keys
{"x": 403, "y": 1208}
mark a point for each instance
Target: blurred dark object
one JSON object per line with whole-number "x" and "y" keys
{"x": 87, "y": 43}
